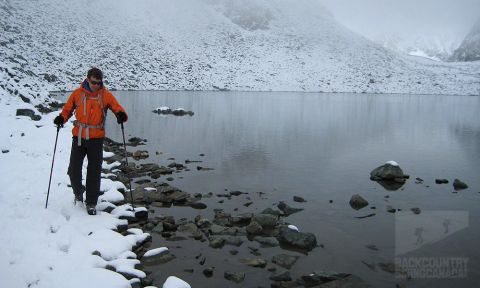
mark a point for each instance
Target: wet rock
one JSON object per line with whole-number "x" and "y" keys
{"x": 416, "y": 210}
{"x": 218, "y": 241}
{"x": 320, "y": 277}
{"x": 191, "y": 229}
{"x": 284, "y": 260}
{"x": 161, "y": 258}
{"x": 255, "y": 262}
{"x": 135, "y": 141}
{"x": 29, "y": 113}
{"x": 441, "y": 181}
{"x": 140, "y": 154}
{"x": 198, "y": 205}
{"x": 282, "y": 276}
{"x": 459, "y": 185}
{"x": 266, "y": 241}
{"x": 200, "y": 168}
{"x": 271, "y": 211}
{"x": 141, "y": 215}
{"x": 357, "y": 202}
{"x": 389, "y": 175}
{"x": 242, "y": 219}
{"x": 158, "y": 228}
{"x": 298, "y": 199}
{"x": 254, "y": 228}
{"x": 265, "y": 220}
{"x": 208, "y": 272}
{"x": 304, "y": 241}
{"x": 176, "y": 166}
{"x": 390, "y": 209}
{"x": 236, "y": 277}
{"x": 287, "y": 210}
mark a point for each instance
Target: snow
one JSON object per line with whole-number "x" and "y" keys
{"x": 420, "y": 53}
{"x": 393, "y": 163}
{"x": 174, "y": 282}
{"x": 155, "y": 251}
{"x": 293, "y": 227}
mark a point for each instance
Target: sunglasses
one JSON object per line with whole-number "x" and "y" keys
{"x": 96, "y": 82}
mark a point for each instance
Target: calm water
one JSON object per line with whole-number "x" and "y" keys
{"x": 322, "y": 147}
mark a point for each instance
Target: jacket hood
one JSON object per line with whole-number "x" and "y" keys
{"x": 85, "y": 86}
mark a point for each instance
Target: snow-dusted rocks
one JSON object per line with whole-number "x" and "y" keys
{"x": 174, "y": 282}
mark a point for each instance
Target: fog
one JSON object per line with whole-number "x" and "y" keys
{"x": 440, "y": 24}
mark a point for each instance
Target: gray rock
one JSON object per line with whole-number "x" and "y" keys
{"x": 320, "y": 277}
{"x": 391, "y": 177}
{"x": 198, "y": 205}
{"x": 218, "y": 241}
{"x": 298, "y": 199}
{"x": 161, "y": 258}
{"x": 236, "y": 277}
{"x": 272, "y": 212}
{"x": 242, "y": 219}
{"x": 357, "y": 202}
{"x": 304, "y": 241}
{"x": 459, "y": 185}
{"x": 266, "y": 241}
{"x": 254, "y": 228}
{"x": 287, "y": 210}
{"x": 265, "y": 220}
{"x": 282, "y": 276}
{"x": 255, "y": 262}
{"x": 140, "y": 154}
{"x": 29, "y": 113}
{"x": 208, "y": 272}
{"x": 284, "y": 260}
{"x": 441, "y": 181}
{"x": 416, "y": 210}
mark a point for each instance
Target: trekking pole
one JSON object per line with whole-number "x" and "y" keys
{"x": 51, "y": 169}
{"x": 126, "y": 159}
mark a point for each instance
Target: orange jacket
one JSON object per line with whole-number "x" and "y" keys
{"x": 90, "y": 110}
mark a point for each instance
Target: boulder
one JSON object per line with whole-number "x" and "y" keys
{"x": 357, "y": 202}
{"x": 390, "y": 175}
{"x": 284, "y": 260}
{"x": 255, "y": 262}
{"x": 287, "y": 210}
{"x": 459, "y": 185}
{"x": 236, "y": 277}
{"x": 28, "y": 113}
{"x": 304, "y": 241}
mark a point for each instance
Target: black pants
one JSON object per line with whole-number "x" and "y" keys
{"x": 93, "y": 149}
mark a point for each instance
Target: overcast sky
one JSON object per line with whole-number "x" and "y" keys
{"x": 406, "y": 18}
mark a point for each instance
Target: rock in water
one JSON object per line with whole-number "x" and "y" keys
{"x": 304, "y": 241}
{"x": 459, "y": 185}
{"x": 389, "y": 175}
{"x": 357, "y": 202}
{"x": 236, "y": 277}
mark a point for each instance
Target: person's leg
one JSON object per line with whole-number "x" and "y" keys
{"x": 77, "y": 154}
{"x": 94, "y": 169}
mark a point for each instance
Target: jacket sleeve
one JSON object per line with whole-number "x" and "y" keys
{"x": 113, "y": 104}
{"x": 67, "y": 110}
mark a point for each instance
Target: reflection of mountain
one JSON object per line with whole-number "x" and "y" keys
{"x": 469, "y": 50}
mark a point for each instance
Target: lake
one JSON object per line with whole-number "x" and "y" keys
{"x": 322, "y": 147}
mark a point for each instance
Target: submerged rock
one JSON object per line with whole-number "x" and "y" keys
{"x": 284, "y": 260}
{"x": 287, "y": 210}
{"x": 236, "y": 277}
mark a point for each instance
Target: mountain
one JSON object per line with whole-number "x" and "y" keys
{"x": 282, "y": 45}
{"x": 469, "y": 50}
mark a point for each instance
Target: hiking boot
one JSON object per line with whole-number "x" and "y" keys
{"x": 91, "y": 210}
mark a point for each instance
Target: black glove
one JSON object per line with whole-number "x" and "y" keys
{"x": 58, "y": 121}
{"x": 121, "y": 117}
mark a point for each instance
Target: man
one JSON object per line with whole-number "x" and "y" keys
{"x": 90, "y": 103}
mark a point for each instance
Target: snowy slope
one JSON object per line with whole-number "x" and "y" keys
{"x": 208, "y": 44}
{"x": 469, "y": 50}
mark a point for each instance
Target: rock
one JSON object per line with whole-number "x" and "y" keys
{"x": 237, "y": 193}
{"x": 174, "y": 282}
{"x": 304, "y": 241}
{"x": 254, "y": 228}
{"x": 242, "y": 219}
{"x": 320, "y": 277}
{"x": 416, "y": 210}
{"x": 208, "y": 272}
{"x": 287, "y": 210}
{"x": 282, "y": 276}
{"x": 266, "y": 241}
{"x": 271, "y": 211}
{"x": 350, "y": 281}
{"x": 265, "y": 220}
{"x": 236, "y": 277}
{"x": 298, "y": 199}
{"x": 389, "y": 175}
{"x": 217, "y": 242}
{"x": 357, "y": 202}
{"x": 5, "y": 151}
{"x": 198, "y": 205}
{"x": 459, "y": 185}
{"x": 441, "y": 181}
{"x": 160, "y": 258}
{"x": 390, "y": 209}
{"x": 284, "y": 260}
{"x": 158, "y": 228}
{"x": 255, "y": 262}
{"x": 140, "y": 154}
{"x": 141, "y": 215}
{"x": 29, "y": 113}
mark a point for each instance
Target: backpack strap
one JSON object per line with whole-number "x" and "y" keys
{"x": 86, "y": 126}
